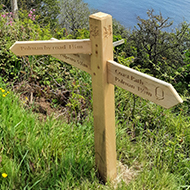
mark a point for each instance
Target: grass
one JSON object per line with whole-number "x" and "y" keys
{"x": 43, "y": 155}
{"x": 55, "y": 155}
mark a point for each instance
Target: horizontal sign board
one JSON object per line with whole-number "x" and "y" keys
{"x": 50, "y": 47}
{"x": 80, "y": 61}
{"x": 143, "y": 85}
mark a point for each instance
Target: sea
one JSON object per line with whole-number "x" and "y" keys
{"x": 126, "y": 11}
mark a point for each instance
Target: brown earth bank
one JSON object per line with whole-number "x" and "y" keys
{"x": 43, "y": 100}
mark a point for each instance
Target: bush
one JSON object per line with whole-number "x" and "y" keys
{"x": 24, "y": 29}
{"x": 159, "y": 49}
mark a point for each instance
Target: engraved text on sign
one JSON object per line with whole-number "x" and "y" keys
{"x": 145, "y": 86}
{"x": 52, "y": 47}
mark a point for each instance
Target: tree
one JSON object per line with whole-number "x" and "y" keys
{"x": 14, "y": 8}
{"x": 156, "y": 48}
{"x": 74, "y": 15}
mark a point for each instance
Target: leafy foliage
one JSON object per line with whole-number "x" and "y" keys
{"x": 74, "y": 15}
{"x": 158, "y": 50}
{"x": 12, "y": 66}
{"x": 47, "y": 10}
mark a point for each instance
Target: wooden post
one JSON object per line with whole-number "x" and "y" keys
{"x": 103, "y": 95}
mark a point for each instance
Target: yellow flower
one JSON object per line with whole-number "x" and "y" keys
{"x": 4, "y": 95}
{"x": 3, "y": 90}
{"x": 7, "y": 92}
{"x": 4, "y": 175}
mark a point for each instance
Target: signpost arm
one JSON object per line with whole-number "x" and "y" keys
{"x": 103, "y": 95}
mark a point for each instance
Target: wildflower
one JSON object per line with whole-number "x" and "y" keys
{"x": 29, "y": 15}
{"x": 2, "y": 90}
{"x": 3, "y": 16}
{"x": 8, "y": 92}
{"x": 34, "y": 9}
{"x": 4, "y": 95}
{"x": 4, "y": 175}
{"x": 31, "y": 12}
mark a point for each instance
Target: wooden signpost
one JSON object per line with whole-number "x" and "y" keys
{"x": 95, "y": 56}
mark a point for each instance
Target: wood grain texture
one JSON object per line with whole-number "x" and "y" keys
{"x": 48, "y": 47}
{"x": 81, "y": 61}
{"x": 143, "y": 85}
{"x": 103, "y": 95}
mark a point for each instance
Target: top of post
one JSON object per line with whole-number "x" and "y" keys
{"x": 100, "y": 15}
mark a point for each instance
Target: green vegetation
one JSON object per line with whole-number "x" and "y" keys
{"x": 37, "y": 155}
{"x": 74, "y": 15}
{"x": 42, "y": 150}
{"x": 47, "y": 10}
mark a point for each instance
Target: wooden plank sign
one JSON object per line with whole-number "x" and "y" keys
{"x": 95, "y": 56}
{"x": 51, "y": 47}
{"x": 81, "y": 61}
{"x": 143, "y": 85}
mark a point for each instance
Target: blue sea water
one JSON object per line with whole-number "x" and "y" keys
{"x": 126, "y": 11}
